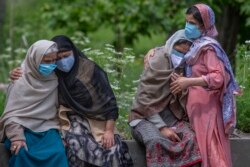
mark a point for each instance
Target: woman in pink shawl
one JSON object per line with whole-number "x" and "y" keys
{"x": 211, "y": 85}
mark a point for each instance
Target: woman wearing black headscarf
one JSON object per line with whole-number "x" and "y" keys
{"x": 85, "y": 91}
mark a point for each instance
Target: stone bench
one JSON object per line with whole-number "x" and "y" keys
{"x": 240, "y": 153}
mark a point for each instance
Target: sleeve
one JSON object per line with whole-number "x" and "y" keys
{"x": 157, "y": 121}
{"x": 15, "y": 132}
{"x": 215, "y": 70}
{"x": 135, "y": 122}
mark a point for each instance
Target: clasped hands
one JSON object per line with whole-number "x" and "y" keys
{"x": 178, "y": 83}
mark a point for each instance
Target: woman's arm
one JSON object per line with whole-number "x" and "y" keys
{"x": 215, "y": 76}
{"x": 15, "y": 133}
{"x": 157, "y": 120}
{"x": 108, "y": 136}
{"x": 164, "y": 130}
{"x": 213, "y": 79}
{"x": 182, "y": 83}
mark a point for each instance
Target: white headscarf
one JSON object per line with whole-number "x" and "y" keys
{"x": 153, "y": 93}
{"x": 32, "y": 99}
{"x": 169, "y": 46}
{"x": 178, "y": 35}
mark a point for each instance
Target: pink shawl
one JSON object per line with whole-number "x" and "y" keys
{"x": 208, "y": 18}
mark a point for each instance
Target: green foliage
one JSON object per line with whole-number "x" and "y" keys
{"x": 7, "y": 62}
{"x": 20, "y": 23}
{"x": 128, "y": 19}
{"x": 245, "y": 9}
{"x": 243, "y": 77}
{"x": 2, "y": 99}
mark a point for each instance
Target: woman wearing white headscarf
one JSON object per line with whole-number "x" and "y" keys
{"x": 158, "y": 118}
{"x": 29, "y": 125}
{"x": 88, "y": 110}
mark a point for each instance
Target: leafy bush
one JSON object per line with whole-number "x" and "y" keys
{"x": 7, "y": 62}
{"x": 243, "y": 77}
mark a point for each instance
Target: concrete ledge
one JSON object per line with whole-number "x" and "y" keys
{"x": 240, "y": 153}
{"x": 137, "y": 152}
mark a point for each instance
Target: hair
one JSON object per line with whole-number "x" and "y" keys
{"x": 63, "y": 42}
{"x": 183, "y": 41}
{"x": 196, "y": 13}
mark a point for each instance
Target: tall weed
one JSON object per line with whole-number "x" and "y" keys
{"x": 243, "y": 77}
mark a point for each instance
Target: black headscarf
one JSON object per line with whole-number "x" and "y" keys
{"x": 85, "y": 88}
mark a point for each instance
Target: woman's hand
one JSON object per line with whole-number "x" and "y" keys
{"x": 179, "y": 83}
{"x": 17, "y": 145}
{"x": 16, "y": 73}
{"x": 170, "y": 134}
{"x": 108, "y": 139}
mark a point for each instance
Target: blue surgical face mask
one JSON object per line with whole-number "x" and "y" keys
{"x": 46, "y": 69}
{"x": 177, "y": 53}
{"x": 65, "y": 64}
{"x": 192, "y": 31}
{"x": 176, "y": 58}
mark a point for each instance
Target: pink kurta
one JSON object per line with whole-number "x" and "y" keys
{"x": 204, "y": 109}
